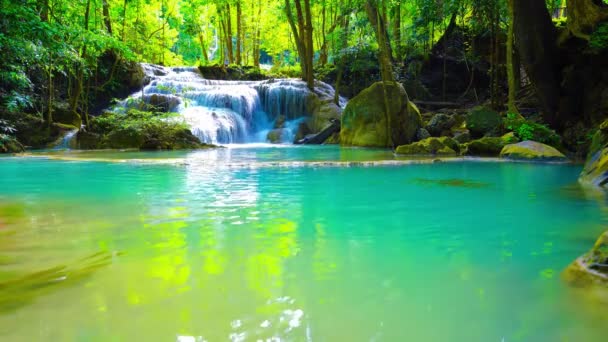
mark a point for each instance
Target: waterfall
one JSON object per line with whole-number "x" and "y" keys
{"x": 66, "y": 141}
{"x": 222, "y": 112}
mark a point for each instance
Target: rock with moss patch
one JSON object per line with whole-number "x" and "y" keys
{"x": 462, "y": 136}
{"x": 440, "y": 124}
{"x": 430, "y": 146}
{"x": 592, "y": 267}
{"x": 485, "y": 147}
{"x": 367, "y": 122}
{"x": 482, "y": 121}
{"x": 533, "y": 151}
{"x": 277, "y": 136}
{"x": 595, "y": 171}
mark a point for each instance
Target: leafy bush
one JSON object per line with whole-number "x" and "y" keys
{"x": 599, "y": 38}
{"x": 138, "y": 129}
{"x": 529, "y": 130}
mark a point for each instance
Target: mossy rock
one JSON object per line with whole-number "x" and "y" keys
{"x": 68, "y": 117}
{"x": 485, "y": 147}
{"x": 430, "y": 146}
{"x": 276, "y": 136}
{"x": 124, "y": 137}
{"x": 440, "y": 124}
{"x": 364, "y": 120}
{"x": 533, "y": 151}
{"x": 595, "y": 171}
{"x": 591, "y": 268}
{"x": 88, "y": 140}
{"x": 482, "y": 121}
{"x": 510, "y": 138}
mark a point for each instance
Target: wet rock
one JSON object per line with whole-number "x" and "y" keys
{"x": 462, "y": 136}
{"x": 485, "y": 147}
{"x": 482, "y": 121}
{"x": 430, "y": 146}
{"x": 592, "y": 267}
{"x": 163, "y": 102}
{"x": 366, "y": 121}
{"x": 595, "y": 171}
{"x": 533, "y": 151}
{"x": 440, "y": 124}
{"x": 277, "y": 136}
{"x": 279, "y": 122}
{"x": 422, "y": 134}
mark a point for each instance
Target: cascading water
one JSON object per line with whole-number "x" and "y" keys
{"x": 66, "y": 141}
{"x": 227, "y": 111}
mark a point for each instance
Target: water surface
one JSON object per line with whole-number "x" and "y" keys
{"x": 213, "y": 248}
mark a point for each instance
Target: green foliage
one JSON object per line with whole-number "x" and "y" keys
{"x": 599, "y": 38}
{"x": 138, "y": 129}
{"x": 529, "y": 130}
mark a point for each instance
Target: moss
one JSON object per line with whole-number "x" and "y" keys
{"x": 482, "y": 121}
{"x": 595, "y": 171}
{"x": 430, "y": 146}
{"x": 531, "y": 150}
{"x": 487, "y": 147}
{"x": 137, "y": 129}
{"x": 364, "y": 121}
{"x": 591, "y": 268}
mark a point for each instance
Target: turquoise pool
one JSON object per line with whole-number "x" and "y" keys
{"x": 281, "y": 243}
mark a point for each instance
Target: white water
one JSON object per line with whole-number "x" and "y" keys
{"x": 66, "y": 141}
{"x": 228, "y": 111}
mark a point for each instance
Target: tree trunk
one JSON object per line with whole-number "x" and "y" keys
{"x": 124, "y": 20}
{"x": 397, "y": 31}
{"x": 584, "y": 15}
{"x": 513, "y": 83}
{"x": 256, "y": 37}
{"x": 201, "y": 39}
{"x": 310, "y": 78}
{"x": 303, "y": 38}
{"x": 106, "y": 16}
{"x": 43, "y": 9}
{"x": 239, "y": 32}
{"x": 386, "y": 68}
{"x": 535, "y": 38}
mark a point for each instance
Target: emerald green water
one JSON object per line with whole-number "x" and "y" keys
{"x": 260, "y": 243}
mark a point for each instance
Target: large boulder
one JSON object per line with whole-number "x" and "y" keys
{"x": 482, "y": 121}
{"x": 592, "y": 267}
{"x": 364, "y": 121}
{"x": 532, "y": 150}
{"x": 440, "y": 124}
{"x": 430, "y": 146}
{"x": 485, "y": 147}
{"x": 596, "y": 166}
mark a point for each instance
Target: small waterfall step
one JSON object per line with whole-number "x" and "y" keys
{"x": 225, "y": 112}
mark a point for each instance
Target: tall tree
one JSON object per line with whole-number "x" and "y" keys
{"x": 535, "y": 37}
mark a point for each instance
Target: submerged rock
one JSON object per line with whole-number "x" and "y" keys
{"x": 482, "y": 121}
{"x": 532, "y": 150}
{"x": 592, "y": 267}
{"x": 364, "y": 121}
{"x": 430, "y": 146}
